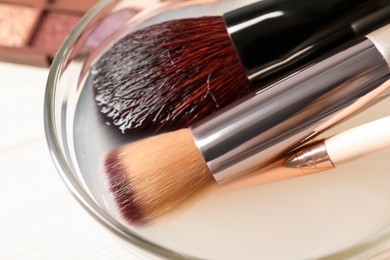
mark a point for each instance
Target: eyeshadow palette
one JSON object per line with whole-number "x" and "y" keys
{"x": 31, "y": 31}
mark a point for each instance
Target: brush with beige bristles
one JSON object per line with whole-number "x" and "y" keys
{"x": 169, "y": 164}
{"x": 158, "y": 174}
{"x": 175, "y": 171}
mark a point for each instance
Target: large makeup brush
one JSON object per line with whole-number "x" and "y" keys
{"x": 153, "y": 176}
{"x": 170, "y": 75}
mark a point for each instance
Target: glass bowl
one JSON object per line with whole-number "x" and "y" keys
{"x": 339, "y": 214}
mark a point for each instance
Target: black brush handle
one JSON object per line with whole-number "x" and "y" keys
{"x": 275, "y": 37}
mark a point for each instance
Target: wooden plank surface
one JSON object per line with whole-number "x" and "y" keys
{"x": 39, "y": 218}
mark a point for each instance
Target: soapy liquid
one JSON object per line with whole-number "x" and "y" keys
{"x": 301, "y": 218}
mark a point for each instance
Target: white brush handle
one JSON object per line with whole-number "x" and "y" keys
{"x": 359, "y": 141}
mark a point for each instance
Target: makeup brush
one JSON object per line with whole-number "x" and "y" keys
{"x": 321, "y": 155}
{"x": 172, "y": 74}
{"x": 344, "y": 147}
{"x": 156, "y": 175}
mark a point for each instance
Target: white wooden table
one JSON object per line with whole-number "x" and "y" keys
{"x": 39, "y": 218}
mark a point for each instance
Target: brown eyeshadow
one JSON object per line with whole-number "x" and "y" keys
{"x": 16, "y": 24}
{"x": 80, "y": 5}
{"x": 53, "y": 29}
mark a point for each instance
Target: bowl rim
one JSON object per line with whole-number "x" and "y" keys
{"x": 140, "y": 246}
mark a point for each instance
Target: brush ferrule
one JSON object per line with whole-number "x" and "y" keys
{"x": 273, "y": 37}
{"x": 261, "y": 127}
{"x": 312, "y": 159}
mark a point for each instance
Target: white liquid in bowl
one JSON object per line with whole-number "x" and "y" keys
{"x": 302, "y": 218}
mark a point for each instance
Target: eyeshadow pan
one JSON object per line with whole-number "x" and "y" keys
{"x": 53, "y": 29}
{"x": 79, "y": 4}
{"x": 16, "y": 24}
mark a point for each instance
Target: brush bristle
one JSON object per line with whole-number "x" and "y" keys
{"x": 169, "y": 75}
{"x": 153, "y": 177}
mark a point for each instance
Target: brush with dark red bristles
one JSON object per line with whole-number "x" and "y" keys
{"x": 172, "y": 74}
{"x": 157, "y": 77}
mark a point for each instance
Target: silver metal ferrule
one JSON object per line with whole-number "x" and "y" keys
{"x": 261, "y": 127}
{"x": 310, "y": 159}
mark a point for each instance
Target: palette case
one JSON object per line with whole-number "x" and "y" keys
{"x": 33, "y": 30}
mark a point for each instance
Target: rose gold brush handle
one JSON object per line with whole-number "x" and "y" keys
{"x": 322, "y": 155}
